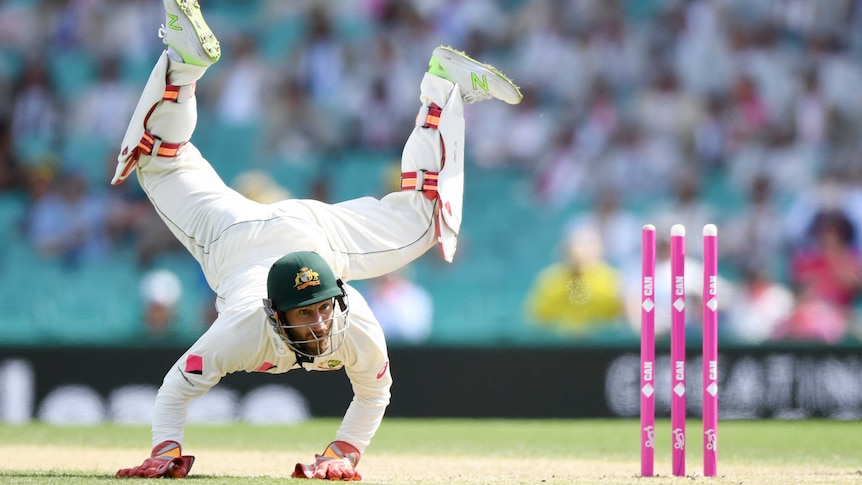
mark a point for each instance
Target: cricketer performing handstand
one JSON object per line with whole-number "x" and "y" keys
{"x": 280, "y": 271}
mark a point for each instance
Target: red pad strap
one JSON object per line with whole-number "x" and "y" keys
{"x": 171, "y": 93}
{"x": 423, "y": 181}
{"x": 150, "y": 144}
{"x": 432, "y": 119}
{"x": 429, "y": 116}
{"x": 179, "y": 94}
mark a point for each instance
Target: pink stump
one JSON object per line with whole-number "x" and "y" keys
{"x": 677, "y": 347}
{"x": 647, "y": 389}
{"x": 710, "y": 350}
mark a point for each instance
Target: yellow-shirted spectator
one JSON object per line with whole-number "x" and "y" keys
{"x": 580, "y": 293}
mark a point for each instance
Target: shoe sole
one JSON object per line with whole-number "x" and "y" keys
{"x": 208, "y": 41}
{"x": 499, "y": 85}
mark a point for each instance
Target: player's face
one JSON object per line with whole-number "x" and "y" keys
{"x": 309, "y": 326}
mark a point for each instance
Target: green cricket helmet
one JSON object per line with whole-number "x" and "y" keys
{"x": 300, "y": 279}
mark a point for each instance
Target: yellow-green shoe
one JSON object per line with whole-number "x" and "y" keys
{"x": 186, "y": 32}
{"x": 478, "y": 81}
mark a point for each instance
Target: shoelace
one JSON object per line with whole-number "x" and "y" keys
{"x": 163, "y": 33}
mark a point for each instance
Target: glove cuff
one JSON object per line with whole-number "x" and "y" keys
{"x": 343, "y": 449}
{"x": 175, "y": 464}
{"x": 167, "y": 449}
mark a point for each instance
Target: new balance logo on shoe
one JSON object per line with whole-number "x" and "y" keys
{"x": 172, "y": 20}
{"x": 186, "y": 32}
{"x": 477, "y": 83}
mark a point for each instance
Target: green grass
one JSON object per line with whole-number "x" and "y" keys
{"x": 587, "y": 451}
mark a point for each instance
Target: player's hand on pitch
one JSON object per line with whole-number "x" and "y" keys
{"x": 338, "y": 462}
{"x": 166, "y": 460}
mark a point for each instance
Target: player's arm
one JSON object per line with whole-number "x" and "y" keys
{"x": 217, "y": 352}
{"x": 367, "y": 366}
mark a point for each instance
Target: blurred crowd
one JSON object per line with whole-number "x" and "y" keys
{"x": 633, "y": 109}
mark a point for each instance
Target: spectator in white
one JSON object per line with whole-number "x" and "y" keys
{"x": 812, "y": 111}
{"x": 406, "y": 26}
{"x": 104, "y": 107}
{"x": 763, "y": 59}
{"x": 404, "y": 309}
{"x": 161, "y": 292}
{"x": 601, "y": 119}
{"x": 384, "y": 133}
{"x": 456, "y": 20}
{"x": 793, "y": 166}
{"x": 242, "y": 88}
{"x": 622, "y": 54}
{"x": 548, "y": 38}
{"x": 529, "y": 133}
{"x": 322, "y": 60}
{"x": 614, "y": 225}
{"x": 838, "y": 70}
{"x": 664, "y": 109}
{"x": 701, "y": 51}
{"x": 762, "y": 306}
{"x": 711, "y": 138}
{"x": 639, "y": 166}
{"x": 386, "y": 64}
{"x": 19, "y": 34}
{"x": 562, "y": 175}
{"x": 112, "y": 29}
{"x": 755, "y": 236}
{"x": 296, "y": 129}
{"x": 686, "y": 206}
{"x": 36, "y": 113}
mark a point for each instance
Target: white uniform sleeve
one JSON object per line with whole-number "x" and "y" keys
{"x": 232, "y": 342}
{"x": 368, "y": 369}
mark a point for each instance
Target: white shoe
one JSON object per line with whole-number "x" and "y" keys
{"x": 478, "y": 81}
{"x": 186, "y": 32}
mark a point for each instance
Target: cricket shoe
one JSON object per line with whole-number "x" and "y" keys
{"x": 186, "y": 32}
{"x": 478, "y": 81}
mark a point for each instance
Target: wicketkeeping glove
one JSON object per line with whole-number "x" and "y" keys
{"x": 338, "y": 462}
{"x": 166, "y": 460}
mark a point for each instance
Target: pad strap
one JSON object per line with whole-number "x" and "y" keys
{"x": 179, "y": 94}
{"x": 150, "y": 144}
{"x": 423, "y": 181}
{"x": 429, "y": 116}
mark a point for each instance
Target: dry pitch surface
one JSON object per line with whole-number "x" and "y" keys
{"x": 420, "y": 469}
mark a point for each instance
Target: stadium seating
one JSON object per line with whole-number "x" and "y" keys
{"x": 507, "y": 238}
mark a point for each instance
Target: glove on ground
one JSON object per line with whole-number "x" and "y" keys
{"x": 166, "y": 460}
{"x": 338, "y": 462}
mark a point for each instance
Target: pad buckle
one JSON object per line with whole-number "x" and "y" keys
{"x": 423, "y": 181}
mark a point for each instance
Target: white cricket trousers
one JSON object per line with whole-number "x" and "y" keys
{"x": 229, "y": 234}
